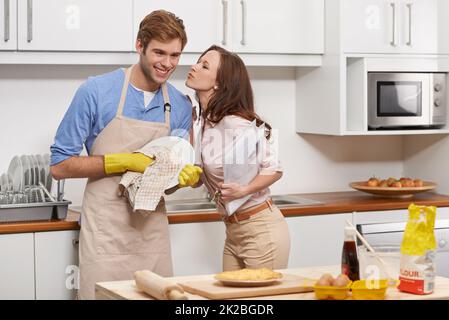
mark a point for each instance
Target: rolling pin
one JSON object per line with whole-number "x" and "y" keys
{"x": 158, "y": 287}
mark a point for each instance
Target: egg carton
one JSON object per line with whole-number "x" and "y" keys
{"x": 20, "y": 212}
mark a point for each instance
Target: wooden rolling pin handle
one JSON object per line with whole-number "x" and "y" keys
{"x": 176, "y": 295}
{"x": 158, "y": 287}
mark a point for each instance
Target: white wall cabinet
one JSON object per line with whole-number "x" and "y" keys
{"x": 8, "y": 25}
{"x": 17, "y": 266}
{"x": 390, "y": 26}
{"x": 74, "y": 25}
{"x": 246, "y": 26}
{"x": 203, "y": 19}
{"x": 282, "y": 26}
{"x": 56, "y": 265}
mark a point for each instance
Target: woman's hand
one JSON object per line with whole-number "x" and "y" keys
{"x": 232, "y": 191}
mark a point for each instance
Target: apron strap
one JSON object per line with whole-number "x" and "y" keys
{"x": 167, "y": 105}
{"x": 124, "y": 91}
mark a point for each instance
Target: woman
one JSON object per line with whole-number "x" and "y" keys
{"x": 256, "y": 234}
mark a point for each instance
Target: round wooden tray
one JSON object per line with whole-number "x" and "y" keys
{"x": 393, "y": 192}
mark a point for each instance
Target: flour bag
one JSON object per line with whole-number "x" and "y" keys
{"x": 417, "y": 268}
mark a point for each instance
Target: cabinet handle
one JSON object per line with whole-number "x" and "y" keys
{"x": 225, "y": 22}
{"x": 75, "y": 242}
{"x": 6, "y": 15}
{"x": 29, "y": 20}
{"x": 243, "y": 3}
{"x": 409, "y": 6}
{"x": 393, "y": 39}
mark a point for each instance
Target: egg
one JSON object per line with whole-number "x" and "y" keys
{"x": 325, "y": 280}
{"x": 341, "y": 281}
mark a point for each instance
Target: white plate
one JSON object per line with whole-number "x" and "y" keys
{"x": 4, "y": 182}
{"x": 26, "y": 170}
{"x": 248, "y": 283}
{"x": 15, "y": 171}
{"x": 47, "y": 168}
{"x": 35, "y": 170}
{"x": 42, "y": 171}
{"x": 182, "y": 150}
{"x": 32, "y": 165}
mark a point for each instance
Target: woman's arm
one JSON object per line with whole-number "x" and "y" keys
{"x": 232, "y": 191}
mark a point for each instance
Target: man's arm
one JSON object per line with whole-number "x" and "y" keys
{"x": 100, "y": 166}
{"x": 79, "y": 167}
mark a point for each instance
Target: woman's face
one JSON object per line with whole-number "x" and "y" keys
{"x": 203, "y": 75}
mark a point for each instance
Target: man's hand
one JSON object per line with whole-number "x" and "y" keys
{"x": 122, "y": 162}
{"x": 189, "y": 176}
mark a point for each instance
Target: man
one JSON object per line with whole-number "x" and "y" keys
{"x": 113, "y": 115}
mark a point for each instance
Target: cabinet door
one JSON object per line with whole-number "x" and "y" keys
{"x": 8, "y": 25}
{"x": 16, "y": 266}
{"x": 282, "y": 26}
{"x": 197, "y": 248}
{"x": 443, "y": 26}
{"x": 386, "y": 26}
{"x": 316, "y": 240}
{"x": 419, "y": 31}
{"x": 56, "y": 256}
{"x": 75, "y": 25}
{"x": 370, "y": 26}
{"x": 203, "y": 19}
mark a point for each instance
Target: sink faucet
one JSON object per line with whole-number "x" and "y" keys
{"x": 209, "y": 196}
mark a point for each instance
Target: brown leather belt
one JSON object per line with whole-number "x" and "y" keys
{"x": 245, "y": 214}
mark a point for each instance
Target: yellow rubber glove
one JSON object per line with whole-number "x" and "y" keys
{"x": 189, "y": 176}
{"x": 122, "y": 162}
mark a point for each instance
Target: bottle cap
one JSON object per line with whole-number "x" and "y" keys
{"x": 350, "y": 231}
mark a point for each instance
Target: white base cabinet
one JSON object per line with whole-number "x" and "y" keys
{"x": 42, "y": 265}
{"x": 56, "y": 265}
{"x": 17, "y": 266}
{"x": 316, "y": 240}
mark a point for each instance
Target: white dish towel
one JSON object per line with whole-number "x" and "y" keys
{"x": 144, "y": 191}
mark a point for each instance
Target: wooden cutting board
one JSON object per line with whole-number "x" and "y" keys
{"x": 214, "y": 289}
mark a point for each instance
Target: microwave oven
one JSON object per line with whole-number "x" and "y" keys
{"x": 406, "y": 100}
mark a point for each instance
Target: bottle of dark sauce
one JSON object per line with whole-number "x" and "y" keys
{"x": 349, "y": 260}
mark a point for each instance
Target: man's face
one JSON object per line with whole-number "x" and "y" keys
{"x": 159, "y": 59}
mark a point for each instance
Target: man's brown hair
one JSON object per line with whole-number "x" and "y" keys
{"x": 162, "y": 26}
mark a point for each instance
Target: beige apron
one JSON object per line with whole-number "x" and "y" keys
{"x": 114, "y": 241}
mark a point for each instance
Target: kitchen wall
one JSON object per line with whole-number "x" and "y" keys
{"x": 426, "y": 157}
{"x": 34, "y": 98}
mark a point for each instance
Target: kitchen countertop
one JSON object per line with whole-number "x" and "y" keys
{"x": 333, "y": 202}
{"x": 127, "y": 290}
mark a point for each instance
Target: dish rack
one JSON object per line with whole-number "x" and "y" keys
{"x": 37, "y": 211}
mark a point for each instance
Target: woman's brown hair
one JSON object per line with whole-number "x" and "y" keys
{"x": 163, "y": 26}
{"x": 234, "y": 95}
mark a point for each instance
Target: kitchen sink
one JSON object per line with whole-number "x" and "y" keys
{"x": 190, "y": 207}
{"x": 204, "y": 204}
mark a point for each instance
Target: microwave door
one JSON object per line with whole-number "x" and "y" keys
{"x": 398, "y": 99}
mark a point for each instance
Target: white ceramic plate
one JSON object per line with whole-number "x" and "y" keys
{"x": 26, "y": 170}
{"x": 31, "y": 162}
{"x": 15, "y": 171}
{"x": 182, "y": 150}
{"x": 248, "y": 283}
{"x": 35, "y": 170}
{"x": 4, "y": 182}
{"x": 42, "y": 171}
{"x": 47, "y": 168}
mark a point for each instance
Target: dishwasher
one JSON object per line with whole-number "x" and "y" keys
{"x": 390, "y": 234}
